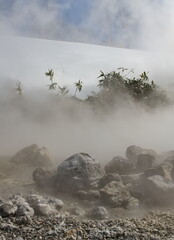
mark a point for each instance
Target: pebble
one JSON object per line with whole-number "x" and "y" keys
{"x": 154, "y": 226}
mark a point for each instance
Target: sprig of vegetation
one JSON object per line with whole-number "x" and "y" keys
{"x": 19, "y": 88}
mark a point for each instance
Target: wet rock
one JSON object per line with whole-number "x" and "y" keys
{"x": 134, "y": 151}
{"x": 109, "y": 178}
{"x": 115, "y": 194}
{"x": 99, "y": 213}
{"x": 119, "y": 165}
{"x": 78, "y": 172}
{"x": 44, "y": 178}
{"x": 145, "y": 161}
{"x": 33, "y": 156}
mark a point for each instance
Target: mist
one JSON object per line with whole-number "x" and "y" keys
{"x": 68, "y": 127}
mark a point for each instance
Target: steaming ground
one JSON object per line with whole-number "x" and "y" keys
{"x": 68, "y": 127}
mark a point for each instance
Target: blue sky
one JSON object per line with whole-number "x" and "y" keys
{"x": 121, "y": 23}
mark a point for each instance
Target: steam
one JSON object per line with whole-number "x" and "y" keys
{"x": 146, "y": 24}
{"x": 68, "y": 127}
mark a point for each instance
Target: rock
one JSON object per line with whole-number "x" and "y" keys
{"x": 131, "y": 178}
{"x": 165, "y": 169}
{"x": 78, "y": 172}
{"x": 109, "y": 178}
{"x": 33, "y": 156}
{"x": 99, "y": 213}
{"x": 77, "y": 211}
{"x": 44, "y": 206}
{"x": 44, "y": 209}
{"x": 133, "y": 152}
{"x": 119, "y": 165}
{"x": 7, "y": 209}
{"x": 133, "y": 203}
{"x": 44, "y": 178}
{"x": 145, "y": 161}
{"x": 23, "y": 208}
{"x": 2, "y": 237}
{"x": 56, "y": 203}
{"x": 115, "y": 194}
{"x": 159, "y": 190}
{"x": 90, "y": 195}
{"x": 33, "y": 200}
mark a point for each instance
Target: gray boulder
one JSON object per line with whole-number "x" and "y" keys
{"x": 44, "y": 178}
{"x": 98, "y": 213}
{"x": 134, "y": 151}
{"x": 119, "y": 165}
{"x": 44, "y": 209}
{"x": 90, "y": 195}
{"x": 77, "y": 211}
{"x": 44, "y": 206}
{"x": 7, "y": 209}
{"x": 33, "y": 156}
{"x": 78, "y": 172}
{"x": 23, "y": 208}
{"x": 115, "y": 194}
{"x": 133, "y": 203}
{"x": 145, "y": 161}
{"x": 159, "y": 190}
{"x": 109, "y": 178}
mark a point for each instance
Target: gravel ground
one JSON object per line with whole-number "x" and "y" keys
{"x": 154, "y": 226}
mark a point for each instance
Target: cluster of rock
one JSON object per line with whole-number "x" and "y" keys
{"x": 32, "y": 204}
{"x": 142, "y": 177}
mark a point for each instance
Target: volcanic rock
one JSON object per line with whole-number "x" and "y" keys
{"x": 115, "y": 194}
{"x": 78, "y": 172}
{"x": 98, "y": 212}
{"x": 44, "y": 178}
{"x": 33, "y": 156}
{"x": 119, "y": 165}
{"x": 134, "y": 151}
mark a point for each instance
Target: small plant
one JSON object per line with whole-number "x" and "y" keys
{"x": 53, "y": 85}
{"x": 78, "y": 86}
{"x": 19, "y": 88}
{"x": 63, "y": 90}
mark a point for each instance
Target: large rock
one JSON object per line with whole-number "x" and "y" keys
{"x": 145, "y": 161}
{"x": 7, "y": 208}
{"x": 33, "y": 156}
{"x": 159, "y": 190}
{"x": 119, "y": 165}
{"x": 98, "y": 213}
{"x": 78, "y": 172}
{"x": 115, "y": 194}
{"x": 109, "y": 178}
{"x": 134, "y": 151}
{"x": 44, "y": 206}
{"x": 44, "y": 178}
